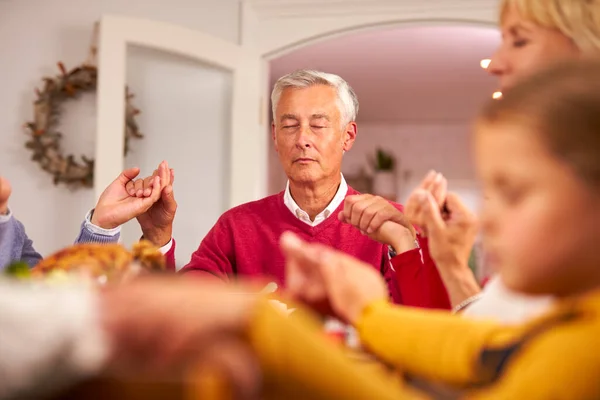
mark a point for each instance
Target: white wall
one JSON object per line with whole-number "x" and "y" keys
{"x": 418, "y": 148}
{"x": 444, "y": 147}
{"x": 35, "y": 34}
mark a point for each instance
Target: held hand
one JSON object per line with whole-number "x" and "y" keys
{"x": 317, "y": 274}
{"x": 5, "y": 191}
{"x": 170, "y": 324}
{"x": 380, "y": 220}
{"x": 157, "y": 221}
{"x": 434, "y": 183}
{"x": 451, "y": 233}
{"x": 115, "y": 206}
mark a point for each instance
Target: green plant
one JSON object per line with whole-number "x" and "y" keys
{"x": 383, "y": 161}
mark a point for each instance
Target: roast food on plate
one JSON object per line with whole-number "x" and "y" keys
{"x": 101, "y": 263}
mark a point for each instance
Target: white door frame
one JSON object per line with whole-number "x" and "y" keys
{"x": 268, "y": 29}
{"x": 116, "y": 33}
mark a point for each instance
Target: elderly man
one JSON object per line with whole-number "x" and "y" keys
{"x": 313, "y": 125}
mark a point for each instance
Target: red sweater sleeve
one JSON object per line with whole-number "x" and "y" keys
{"x": 418, "y": 280}
{"x": 216, "y": 255}
{"x": 388, "y": 275}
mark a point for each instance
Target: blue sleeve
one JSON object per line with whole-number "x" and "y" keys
{"x": 29, "y": 254}
{"x": 86, "y": 235}
{"x": 15, "y": 245}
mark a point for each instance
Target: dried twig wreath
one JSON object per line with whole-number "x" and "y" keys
{"x": 44, "y": 138}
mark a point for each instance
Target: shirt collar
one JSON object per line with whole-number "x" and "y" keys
{"x": 339, "y": 197}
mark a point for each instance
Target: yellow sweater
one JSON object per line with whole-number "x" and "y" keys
{"x": 554, "y": 357}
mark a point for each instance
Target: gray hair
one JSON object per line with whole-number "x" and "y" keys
{"x": 347, "y": 100}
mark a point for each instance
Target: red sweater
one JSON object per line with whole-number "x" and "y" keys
{"x": 245, "y": 242}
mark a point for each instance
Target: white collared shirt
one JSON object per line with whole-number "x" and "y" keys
{"x": 323, "y": 215}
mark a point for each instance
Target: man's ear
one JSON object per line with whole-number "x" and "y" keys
{"x": 350, "y": 133}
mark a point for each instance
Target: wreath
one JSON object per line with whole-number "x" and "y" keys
{"x": 44, "y": 137}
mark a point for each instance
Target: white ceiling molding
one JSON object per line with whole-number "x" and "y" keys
{"x": 281, "y": 25}
{"x": 411, "y": 8}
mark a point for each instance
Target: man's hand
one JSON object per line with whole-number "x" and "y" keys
{"x": 380, "y": 220}
{"x": 5, "y": 191}
{"x": 157, "y": 221}
{"x": 317, "y": 274}
{"x": 115, "y": 206}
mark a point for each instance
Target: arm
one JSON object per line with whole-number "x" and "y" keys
{"x": 16, "y": 245}
{"x": 216, "y": 255}
{"x": 413, "y": 340}
{"x": 320, "y": 371}
{"x": 416, "y": 274}
{"x": 458, "y": 281}
{"x": 91, "y": 233}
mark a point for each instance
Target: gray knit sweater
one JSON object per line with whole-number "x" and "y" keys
{"x": 16, "y": 246}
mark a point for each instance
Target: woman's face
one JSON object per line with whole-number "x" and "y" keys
{"x": 527, "y": 47}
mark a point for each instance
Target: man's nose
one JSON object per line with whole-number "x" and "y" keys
{"x": 304, "y": 137}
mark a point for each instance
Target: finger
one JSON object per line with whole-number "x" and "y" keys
{"x": 433, "y": 182}
{"x": 370, "y": 207}
{"x": 168, "y": 198}
{"x": 130, "y": 188}
{"x": 382, "y": 215}
{"x": 165, "y": 174}
{"x": 148, "y": 184}
{"x": 139, "y": 187}
{"x": 358, "y": 207}
{"x": 128, "y": 175}
{"x": 172, "y": 176}
{"x": 154, "y": 195}
{"x": 294, "y": 277}
{"x": 347, "y": 210}
{"x": 414, "y": 206}
{"x": 439, "y": 189}
{"x": 455, "y": 204}
{"x": 426, "y": 182}
{"x": 432, "y": 215}
{"x": 376, "y": 212}
{"x": 302, "y": 261}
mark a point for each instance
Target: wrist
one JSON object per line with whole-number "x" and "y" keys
{"x": 97, "y": 220}
{"x": 158, "y": 236}
{"x": 402, "y": 242}
{"x": 4, "y": 209}
{"x": 460, "y": 283}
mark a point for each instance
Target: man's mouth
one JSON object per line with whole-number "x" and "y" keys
{"x": 303, "y": 160}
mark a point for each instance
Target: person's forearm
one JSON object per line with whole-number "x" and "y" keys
{"x": 403, "y": 242}
{"x": 460, "y": 283}
{"x": 434, "y": 345}
{"x": 159, "y": 236}
{"x": 319, "y": 370}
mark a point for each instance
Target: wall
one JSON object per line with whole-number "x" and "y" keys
{"x": 418, "y": 147}
{"x": 35, "y": 34}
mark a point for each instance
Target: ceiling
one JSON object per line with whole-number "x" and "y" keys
{"x": 410, "y": 74}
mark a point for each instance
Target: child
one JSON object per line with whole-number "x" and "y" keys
{"x": 538, "y": 155}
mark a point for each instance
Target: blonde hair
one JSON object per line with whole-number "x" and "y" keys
{"x": 578, "y": 20}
